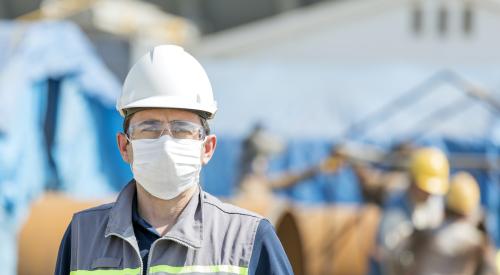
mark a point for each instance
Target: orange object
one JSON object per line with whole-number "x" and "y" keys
{"x": 41, "y": 235}
{"x": 329, "y": 239}
{"x": 319, "y": 240}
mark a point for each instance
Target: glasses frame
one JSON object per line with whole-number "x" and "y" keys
{"x": 167, "y": 129}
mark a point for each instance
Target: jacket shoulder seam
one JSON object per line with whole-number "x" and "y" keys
{"x": 248, "y": 214}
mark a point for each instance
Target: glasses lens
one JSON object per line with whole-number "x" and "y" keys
{"x": 146, "y": 130}
{"x": 186, "y": 130}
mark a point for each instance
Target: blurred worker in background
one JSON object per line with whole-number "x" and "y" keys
{"x": 420, "y": 208}
{"x": 162, "y": 221}
{"x": 255, "y": 183}
{"x": 376, "y": 184}
{"x": 460, "y": 245}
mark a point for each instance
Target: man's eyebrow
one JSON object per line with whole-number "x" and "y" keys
{"x": 149, "y": 122}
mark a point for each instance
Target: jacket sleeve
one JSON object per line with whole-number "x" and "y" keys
{"x": 268, "y": 255}
{"x": 64, "y": 255}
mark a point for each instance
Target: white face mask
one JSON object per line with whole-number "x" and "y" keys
{"x": 166, "y": 166}
{"x": 428, "y": 214}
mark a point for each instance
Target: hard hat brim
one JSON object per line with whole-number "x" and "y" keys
{"x": 174, "y": 102}
{"x": 433, "y": 185}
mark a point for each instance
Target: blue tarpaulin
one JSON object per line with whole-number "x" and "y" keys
{"x": 57, "y": 122}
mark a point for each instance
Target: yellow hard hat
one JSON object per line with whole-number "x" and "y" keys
{"x": 464, "y": 194}
{"x": 430, "y": 170}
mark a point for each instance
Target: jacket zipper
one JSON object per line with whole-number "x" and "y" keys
{"x": 153, "y": 245}
{"x": 136, "y": 252}
{"x": 151, "y": 253}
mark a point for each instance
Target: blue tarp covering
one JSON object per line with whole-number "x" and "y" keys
{"x": 58, "y": 126}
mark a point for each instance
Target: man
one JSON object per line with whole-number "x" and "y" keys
{"x": 255, "y": 187}
{"x": 162, "y": 222}
{"x": 376, "y": 184}
{"x": 459, "y": 246}
{"x": 258, "y": 148}
{"x": 419, "y": 208}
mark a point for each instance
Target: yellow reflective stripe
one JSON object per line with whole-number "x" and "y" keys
{"x": 199, "y": 269}
{"x": 498, "y": 261}
{"x": 126, "y": 271}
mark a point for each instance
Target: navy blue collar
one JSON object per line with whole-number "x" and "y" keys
{"x": 136, "y": 218}
{"x": 187, "y": 230}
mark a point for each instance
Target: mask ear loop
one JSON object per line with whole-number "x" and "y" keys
{"x": 130, "y": 142}
{"x": 201, "y": 163}
{"x": 202, "y": 150}
{"x": 203, "y": 143}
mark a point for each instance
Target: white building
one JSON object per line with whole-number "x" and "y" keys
{"x": 314, "y": 71}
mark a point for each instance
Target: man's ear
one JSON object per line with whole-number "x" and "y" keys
{"x": 123, "y": 146}
{"x": 208, "y": 149}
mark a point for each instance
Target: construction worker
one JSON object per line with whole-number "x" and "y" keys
{"x": 421, "y": 207}
{"x": 256, "y": 186}
{"x": 376, "y": 184}
{"x": 163, "y": 222}
{"x": 258, "y": 148}
{"x": 460, "y": 245}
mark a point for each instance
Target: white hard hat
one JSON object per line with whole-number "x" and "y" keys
{"x": 167, "y": 77}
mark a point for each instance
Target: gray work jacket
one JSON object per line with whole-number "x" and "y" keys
{"x": 209, "y": 237}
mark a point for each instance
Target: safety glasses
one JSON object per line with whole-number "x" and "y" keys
{"x": 153, "y": 129}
